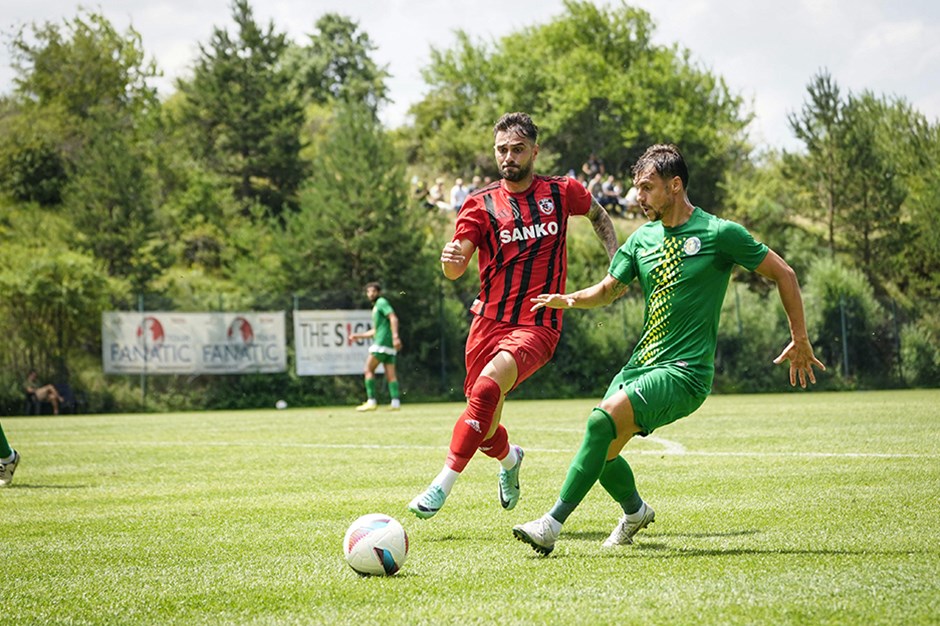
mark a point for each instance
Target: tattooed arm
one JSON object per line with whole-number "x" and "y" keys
{"x": 603, "y": 227}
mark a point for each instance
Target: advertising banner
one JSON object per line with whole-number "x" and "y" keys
{"x": 158, "y": 342}
{"x": 322, "y": 344}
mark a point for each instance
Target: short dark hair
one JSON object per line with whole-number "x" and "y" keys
{"x": 377, "y": 286}
{"x": 520, "y": 122}
{"x": 666, "y": 160}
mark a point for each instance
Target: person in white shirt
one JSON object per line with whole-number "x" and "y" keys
{"x": 458, "y": 193}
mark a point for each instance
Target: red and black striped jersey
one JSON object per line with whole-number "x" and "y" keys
{"x": 521, "y": 242}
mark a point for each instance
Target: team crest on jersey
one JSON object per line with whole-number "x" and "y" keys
{"x": 692, "y": 245}
{"x": 546, "y": 206}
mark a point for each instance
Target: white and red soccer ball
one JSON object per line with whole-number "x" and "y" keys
{"x": 375, "y": 545}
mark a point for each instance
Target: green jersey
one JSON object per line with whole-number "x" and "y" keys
{"x": 382, "y": 342}
{"x": 684, "y": 273}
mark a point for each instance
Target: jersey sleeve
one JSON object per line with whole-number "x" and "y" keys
{"x": 623, "y": 265}
{"x": 738, "y": 245}
{"x": 384, "y": 307}
{"x": 578, "y": 198}
{"x": 470, "y": 223}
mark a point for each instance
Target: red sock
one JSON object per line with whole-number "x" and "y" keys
{"x": 497, "y": 446}
{"x": 471, "y": 428}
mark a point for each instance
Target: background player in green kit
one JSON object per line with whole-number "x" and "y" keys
{"x": 384, "y": 349}
{"x": 683, "y": 260}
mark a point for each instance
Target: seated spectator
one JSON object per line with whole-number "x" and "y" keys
{"x": 475, "y": 184}
{"x": 436, "y": 195}
{"x": 609, "y": 198}
{"x": 42, "y": 393}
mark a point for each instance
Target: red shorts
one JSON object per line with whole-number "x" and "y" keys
{"x": 531, "y": 347}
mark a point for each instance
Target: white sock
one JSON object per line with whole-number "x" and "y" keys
{"x": 636, "y": 517}
{"x": 446, "y": 479}
{"x": 371, "y": 401}
{"x": 396, "y": 403}
{"x": 9, "y": 459}
{"x": 509, "y": 461}
{"x": 553, "y": 523}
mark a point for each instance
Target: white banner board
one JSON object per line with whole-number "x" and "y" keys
{"x": 322, "y": 345}
{"x": 156, "y": 342}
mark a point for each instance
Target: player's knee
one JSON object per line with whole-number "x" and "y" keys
{"x": 485, "y": 394}
{"x": 600, "y": 426}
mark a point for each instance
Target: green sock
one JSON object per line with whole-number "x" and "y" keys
{"x": 5, "y": 450}
{"x": 393, "y": 390}
{"x": 617, "y": 478}
{"x": 370, "y": 388}
{"x": 587, "y": 465}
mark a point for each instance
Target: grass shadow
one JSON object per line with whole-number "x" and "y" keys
{"x": 31, "y": 486}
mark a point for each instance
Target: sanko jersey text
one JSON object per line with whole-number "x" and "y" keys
{"x": 521, "y": 243}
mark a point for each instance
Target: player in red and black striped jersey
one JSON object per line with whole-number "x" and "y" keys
{"x": 519, "y": 225}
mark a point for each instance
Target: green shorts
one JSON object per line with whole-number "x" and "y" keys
{"x": 381, "y": 357}
{"x": 660, "y": 394}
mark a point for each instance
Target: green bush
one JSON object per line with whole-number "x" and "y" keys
{"x": 920, "y": 355}
{"x": 836, "y": 293}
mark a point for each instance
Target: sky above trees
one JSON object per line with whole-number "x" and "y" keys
{"x": 768, "y": 51}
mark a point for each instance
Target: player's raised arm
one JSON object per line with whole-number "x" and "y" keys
{"x": 600, "y": 294}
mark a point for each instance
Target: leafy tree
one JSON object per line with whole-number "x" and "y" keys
{"x": 919, "y": 262}
{"x": 51, "y": 298}
{"x": 83, "y": 66}
{"x": 874, "y": 188}
{"x": 867, "y": 168}
{"x": 595, "y": 82}
{"x": 355, "y": 225}
{"x": 337, "y": 65}
{"x": 111, "y": 198}
{"x": 244, "y": 118}
{"x": 32, "y": 166}
{"x": 818, "y": 126}
{"x": 85, "y": 113}
{"x": 69, "y": 77}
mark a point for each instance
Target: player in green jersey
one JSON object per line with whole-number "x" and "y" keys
{"x": 682, "y": 260}
{"x": 384, "y": 349}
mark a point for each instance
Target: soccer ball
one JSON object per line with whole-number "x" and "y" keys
{"x": 375, "y": 545}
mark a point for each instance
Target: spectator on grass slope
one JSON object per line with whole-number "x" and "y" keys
{"x": 43, "y": 393}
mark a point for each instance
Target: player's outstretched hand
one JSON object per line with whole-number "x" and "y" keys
{"x": 801, "y": 357}
{"x": 551, "y": 301}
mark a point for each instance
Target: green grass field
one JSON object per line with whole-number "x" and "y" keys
{"x": 803, "y": 508}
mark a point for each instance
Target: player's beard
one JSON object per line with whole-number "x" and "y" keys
{"x": 514, "y": 176}
{"x": 655, "y": 214}
{"x": 652, "y": 214}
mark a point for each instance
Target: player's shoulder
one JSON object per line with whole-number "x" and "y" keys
{"x": 556, "y": 180}
{"x": 486, "y": 189}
